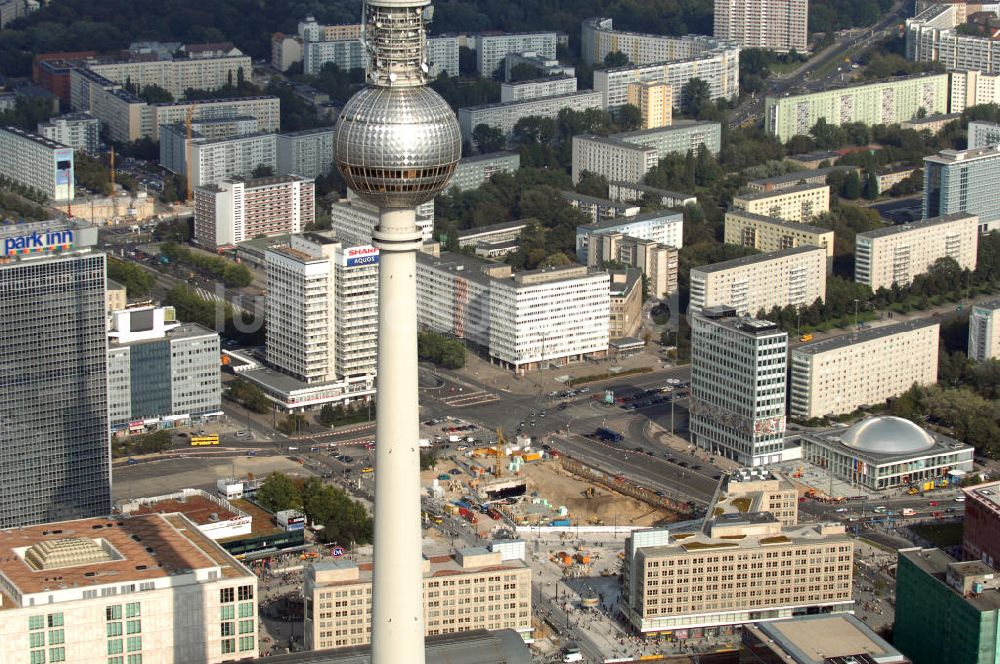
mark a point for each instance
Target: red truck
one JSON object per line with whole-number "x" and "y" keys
{"x": 494, "y": 513}
{"x": 468, "y": 515}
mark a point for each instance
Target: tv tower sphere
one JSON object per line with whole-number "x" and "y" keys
{"x": 397, "y": 142}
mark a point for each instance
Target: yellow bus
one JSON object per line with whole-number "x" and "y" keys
{"x": 205, "y": 440}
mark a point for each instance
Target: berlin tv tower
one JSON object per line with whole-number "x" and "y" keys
{"x": 397, "y": 143}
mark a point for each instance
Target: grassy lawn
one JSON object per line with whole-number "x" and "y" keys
{"x": 941, "y": 534}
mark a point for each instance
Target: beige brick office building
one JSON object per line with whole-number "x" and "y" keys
{"x": 472, "y": 589}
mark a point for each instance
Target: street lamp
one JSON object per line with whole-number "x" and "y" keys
{"x": 856, "y": 314}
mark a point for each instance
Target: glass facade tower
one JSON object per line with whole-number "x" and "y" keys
{"x": 54, "y": 445}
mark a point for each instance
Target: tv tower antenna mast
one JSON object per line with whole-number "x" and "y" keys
{"x": 397, "y": 143}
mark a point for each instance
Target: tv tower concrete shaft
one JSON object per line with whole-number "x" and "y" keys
{"x": 396, "y": 143}
{"x": 397, "y": 585}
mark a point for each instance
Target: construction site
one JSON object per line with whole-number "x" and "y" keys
{"x": 524, "y": 486}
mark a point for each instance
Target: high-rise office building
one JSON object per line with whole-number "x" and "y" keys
{"x": 964, "y": 181}
{"x": 738, "y": 386}
{"x": 161, "y": 369}
{"x": 778, "y": 25}
{"x": 984, "y": 331}
{"x": 80, "y": 131}
{"x": 54, "y": 440}
{"x": 237, "y": 210}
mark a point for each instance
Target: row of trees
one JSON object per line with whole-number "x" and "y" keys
{"x": 233, "y": 275}
{"x": 339, "y": 415}
{"x": 15, "y": 206}
{"x": 341, "y": 519}
{"x": 441, "y": 350}
{"x": 136, "y": 280}
{"x": 967, "y": 415}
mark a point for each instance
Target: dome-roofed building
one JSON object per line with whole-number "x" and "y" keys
{"x": 887, "y": 434}
{"x": 886, "y": 452}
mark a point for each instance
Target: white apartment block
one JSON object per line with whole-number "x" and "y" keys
{"x": 354, "y": 219}
{"x": 178, "y": 75}
{"x": 770, "y": 234}
{"x": 537, "y": 87}
{"x": 544, "y": 66}
{"x": 234, "y": 211}
{"x": 889, "y": 101}
{"x": 473, "y": 172}
{"x": 812, "y": 176}
{"x": 897, "y": 254}
{"x": 972, "y": 88}
{"x": 286, "y": 50}
{"x": 983, "y": 134}
{"x": 615, "y": 160}
{"x": 663, "y": 227}
{"x": 599, "y": 38}
{"x": 308, "y": 153}
{"x": 322, "y": 311}
{"x": 504, "y": 116}
{"x": 795, "y": 277}
{"x": 739, "y": 569}
{"x": 347, "y": 54}
{"x": 777, "y": 25}
{"x": 216, "y": 159}
{"x": 11, "y": 10}
{"x": 658, "y": 262}
{"x": 738, "y": 381}
{"x": 655, "y": 102}
{"x": 524, "y": 320}
{"x": 442, "y": 56}
{"x": 719, "y": 67}
{"x": 159, "y": 368}
{"x": 266, "y": 109}
{"x": 492, "y": 49}
{"x": 984, "y": 331}
{"x": 600, "y": 209}
{"x": 619, "y": 190}
{"x": 149, "y": 589}
{"x": 800, "y": 203}
{"x": 80, "y": 131}
{"x": 931, "y": 36}
{"x": 475, "y": 588}
{"x": 839, "y": 375}
{"x": 505, "y": 231}
{"x": 35, "y": 161}
{"x": 310, "y": 30}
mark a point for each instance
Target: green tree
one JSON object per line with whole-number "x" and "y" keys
{"x": 249, "y": 395}
{"x": 852, "y": 186}
{"x": 615, "y": 59}
{"x": 343, "y": 520}
{"x": 871, "y": 186}
{"x": 154, "y": 94}
{"x": 278, "y": 493}
{"x": 488, "y": 138}
{"x": 629, "y": 117}
{"x": 697, "y": 97}
{"x": 136, "y": 280}
{"x": 262, "y": 171}
{"x": 524, "y": 72}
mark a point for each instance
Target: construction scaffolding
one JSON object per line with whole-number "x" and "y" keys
{"x": 623, "y": 486}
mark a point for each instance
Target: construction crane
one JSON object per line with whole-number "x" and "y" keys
{"x": 188, "y": 151}
{"x": 501, "y": 452}
{"x": 112, "y": 170}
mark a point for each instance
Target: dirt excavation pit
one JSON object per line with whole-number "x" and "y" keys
{"x": 606, "y": 507}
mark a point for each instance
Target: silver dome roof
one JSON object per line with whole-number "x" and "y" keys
{"x": 397, "y": 147}
{"x": 887, "y": 434}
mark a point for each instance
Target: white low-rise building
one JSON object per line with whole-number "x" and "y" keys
{"x": 472, "y": 172}
{"x": 537, "y": 87}
{"x": 523, "y": 321}
{"x": 505, "y": 115}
